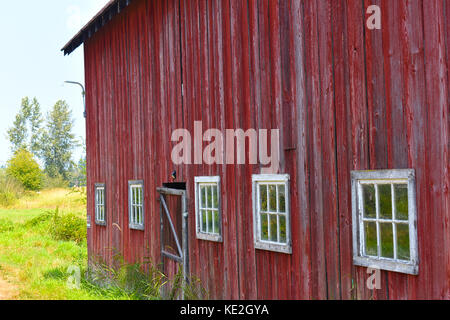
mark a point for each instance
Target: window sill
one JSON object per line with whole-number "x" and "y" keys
{"x": 100, "y": 223}
{"x": 209, "y": 237}
{"x": 136, "y": 227}
{"x": 388, "y": 265}
{"x": 287, "y": 249}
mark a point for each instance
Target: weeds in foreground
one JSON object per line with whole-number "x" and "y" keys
{"x": 142, "y": 281}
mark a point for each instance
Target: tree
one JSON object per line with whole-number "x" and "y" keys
{"x": 57, "y": 141}
{"x": 26, "y": 130}
{"x": 23, "y": 167}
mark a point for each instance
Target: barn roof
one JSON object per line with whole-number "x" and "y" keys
{"x": 111, "y": 9}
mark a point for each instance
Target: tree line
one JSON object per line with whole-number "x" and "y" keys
{"x": 43, "y": 147}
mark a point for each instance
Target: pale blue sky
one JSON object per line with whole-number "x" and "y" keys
{"x": 32, "y": 34}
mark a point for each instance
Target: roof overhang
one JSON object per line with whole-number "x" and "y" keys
{"x": 109, "y": 11}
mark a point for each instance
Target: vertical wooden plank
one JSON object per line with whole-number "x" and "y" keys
{"x": 301, "y": 264}
{"x": 376, "y": 109}
{"x": 358, "y": 107}
{"x": 328, "y": 133}
{"x": 437, "y": 140}
{"x": 413, "y": 71}
{"x": 315, "y": 147}
{"x": 344, "y": 145}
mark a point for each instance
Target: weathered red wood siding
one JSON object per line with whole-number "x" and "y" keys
{"x": 345, "y": 98}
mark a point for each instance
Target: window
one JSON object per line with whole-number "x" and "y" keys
{"x": 207, "y": 208}
{"x": 271, "y": 213}
{"x": 136, "y": 208}
{"x": 384, "y": 220}
{"x": 100, "y": 212}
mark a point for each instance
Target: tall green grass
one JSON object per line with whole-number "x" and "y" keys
{"x": 43, "y": 235}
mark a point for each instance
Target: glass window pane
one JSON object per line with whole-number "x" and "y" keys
{"x": 203, "y": 224}
{"x": 210, "y": 221}
{"x": 216, "y": 222}
{"x": 264, "y": 227}
{"x": 273, "y": 198}
{"x": 263, "y": 197}
{"x": 203, "y": 197}
{"x": 282, "y": 198}
{"x": 387, "y": 240}
{"x": 370, "y": 232}
{"x": 273, "y": 228}
{"x": 209, "y": 196}
{"x": 216, "y": 197}
{"x": 403, "y": 241}
{"x": 283, "y": 237}
{"x": 401, "y": 201}
{"x": 385, "y": 194}
{"x": 369, "y": 201}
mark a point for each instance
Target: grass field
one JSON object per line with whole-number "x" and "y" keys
{"x": 43, "y": 237}
{"x": 33, "y": 260}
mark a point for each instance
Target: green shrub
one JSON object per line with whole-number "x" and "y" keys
{"x": 10, "y": 189}
{"x": 23, "y": 167}
{"x": 68, "y": 227}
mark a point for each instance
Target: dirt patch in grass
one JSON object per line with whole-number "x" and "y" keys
{"x": 7, "y": 290}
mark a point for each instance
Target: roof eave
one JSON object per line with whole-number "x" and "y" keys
{"x": 109, "y": 11}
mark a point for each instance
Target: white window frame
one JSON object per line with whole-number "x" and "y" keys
{"x": 279, "y": 179}
{"x": 403, "y": 176}
{"x": 100, "y": 217}
{"x": 136, "y": 222}
{"x": 202, "y": 181}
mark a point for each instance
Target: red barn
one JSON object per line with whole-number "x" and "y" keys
{"x": 355, "y": 97}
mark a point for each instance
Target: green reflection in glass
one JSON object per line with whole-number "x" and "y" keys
{"x": 264, "y": 227}
{"x": 263, "y": 196}
{"x": 273, "y": 228}
{"x": 216, "y": 223}
{"x": 282, "y": 198}
{"x": 209, "y": 197}
{"x": 216, "y": 197}
{"x": 403, "y": 242}
{"x": 203, "y": 196}
{"x": 370, "y": 231}
{"x": 401, "y": 201}
{"x": 369, "y": 201}
{"x": 385, "y": 196}
{"x": 203, "y": 228}
{"x": 210, "y": 221}
{"x": 283, "y": 237}
{"x": 273, "y": 198}
{"x": 387, "y": 240}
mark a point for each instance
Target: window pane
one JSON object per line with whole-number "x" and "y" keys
{"x": 210, "y": 221}
{"x": 203, "y": 225}
{"x": 263, "y": 197}
{"x": 216, "y": 222}
{"x": 264, "y": 227}
{"x": 369, "y": 200}
{"x": 283, "y": 237}
{"x": 401, "y": 201}
{"x": 203, "y": 197}
{"x": 216, "y": 197}
{"x": 370, "y": 231}
{"x": 387, "y": 240}
{"x": 282, "y": 198}
{"x": 273, "y": 228}
{"x": 141, "y": 196}
{"x": 273, "y": 198}
{"x": 209, "y": 196}
{"x": 385, "y": 194}
{"x": 403, "y": 241}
